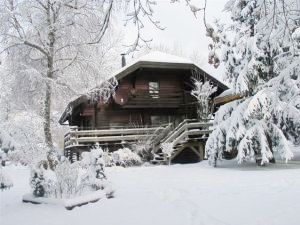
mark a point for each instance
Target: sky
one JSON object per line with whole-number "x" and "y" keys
{"x": 182, "y": 29}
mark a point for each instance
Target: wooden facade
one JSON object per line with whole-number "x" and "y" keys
{"x": 148, "y": 94}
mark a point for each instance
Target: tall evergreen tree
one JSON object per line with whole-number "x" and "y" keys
{"x": 262, "y": 61}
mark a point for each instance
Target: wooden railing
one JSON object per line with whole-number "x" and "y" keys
{"x": 76, "y": 137}
{"x": 188, "y": 127}
{"x": 163, "y": 98}
{"x": 188, "y": 130}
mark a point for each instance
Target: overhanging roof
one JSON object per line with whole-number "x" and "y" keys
{"x": 71, "y": 106}
{"x": 160, "y": 60}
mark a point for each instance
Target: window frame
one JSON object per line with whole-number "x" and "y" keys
{"x": 154, "y": 88}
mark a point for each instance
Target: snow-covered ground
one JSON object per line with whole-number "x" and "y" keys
{"x": 178, "y": 194}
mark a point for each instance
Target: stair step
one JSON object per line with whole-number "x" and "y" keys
{"x": 158, "y": 161}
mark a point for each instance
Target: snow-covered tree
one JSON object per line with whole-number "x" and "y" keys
{"x": 202, "y": 91}
{"x": 262, "y": 61}
{"x": 55, "y": 36}
{"x": 52, "y": 50}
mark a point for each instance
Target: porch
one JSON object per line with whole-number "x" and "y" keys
{"x": 188, "y": 135}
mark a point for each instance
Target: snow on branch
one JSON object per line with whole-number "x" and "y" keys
{"x": 202, "y": 92}
{"x": 103, "y": 92}
{"x": 139, "y": 9}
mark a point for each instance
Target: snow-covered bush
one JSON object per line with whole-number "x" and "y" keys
{"x": 108, "y": 159}
{"x": 66, "y": 178}
{"x": 3, "y": 156}
{"x": 37, "y": 182}
{"x": 94, "y": 175}
{"x": 69, "y": 180}
{"x": 5, "y": 181}
{"x": 125, "y": 157}
{"x": 143, "y": 149}
{"x": 167, "y": 149}
{"x": 44, "y": 183}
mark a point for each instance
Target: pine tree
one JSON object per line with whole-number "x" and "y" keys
{"x": 262, "y": 61}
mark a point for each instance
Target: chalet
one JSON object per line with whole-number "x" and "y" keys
{"x": 152, "y": 100}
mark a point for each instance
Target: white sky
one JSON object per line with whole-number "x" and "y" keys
{"x": 182, "y": 28}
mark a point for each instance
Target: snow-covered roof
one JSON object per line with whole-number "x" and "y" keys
{"x": 154, "y": 59}
{"x": 157, "y": 56}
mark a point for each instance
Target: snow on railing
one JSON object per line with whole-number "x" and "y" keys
{"x": 77, "y": 137}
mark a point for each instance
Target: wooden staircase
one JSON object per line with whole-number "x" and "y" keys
{"x": 190, "y": 134}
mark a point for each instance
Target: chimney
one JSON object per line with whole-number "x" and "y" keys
{"x": 123, "y": 59}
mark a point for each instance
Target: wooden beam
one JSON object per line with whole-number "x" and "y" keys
{"x": 195, "y": 151}
{"x": 225, "y": 99}
{"x": 114, "y": 131}
{"x": 109, "y": 138}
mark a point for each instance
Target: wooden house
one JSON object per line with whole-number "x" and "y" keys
{"x": 152, "y": 99}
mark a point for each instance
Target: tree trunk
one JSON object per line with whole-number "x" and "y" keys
{"x": 47, "y": 116}
{"x": 50, "y": 62}
{"x": 47, "y": 104}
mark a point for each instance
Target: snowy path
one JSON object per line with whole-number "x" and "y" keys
{"x": 178, "y": 195}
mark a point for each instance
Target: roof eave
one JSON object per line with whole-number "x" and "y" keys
{"x": 156, "y": 65}
{"x": 165, "y": 65}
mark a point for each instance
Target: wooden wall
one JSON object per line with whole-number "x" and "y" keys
{"x": 133, "y": 106}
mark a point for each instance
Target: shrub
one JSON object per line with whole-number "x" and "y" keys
{"x": 125, "y": 157}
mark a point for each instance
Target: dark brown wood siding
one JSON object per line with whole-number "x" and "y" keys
{"x": 134, "y": 106}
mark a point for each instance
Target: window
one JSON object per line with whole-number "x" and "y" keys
{"x": 154, "y": 89}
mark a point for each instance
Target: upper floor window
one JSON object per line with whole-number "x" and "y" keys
{"x": 154, "y": 89}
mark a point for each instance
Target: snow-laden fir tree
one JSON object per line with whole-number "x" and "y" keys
{"x": 262, "y": 61}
